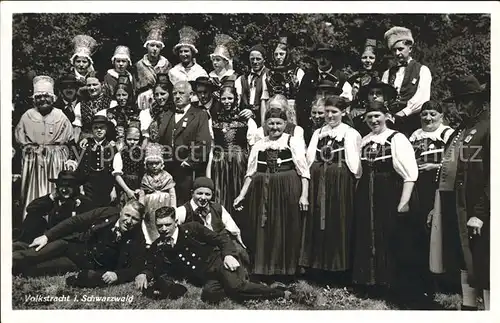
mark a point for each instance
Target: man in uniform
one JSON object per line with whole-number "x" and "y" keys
{"x": 464, "y": 194}
{"x": 47, "y": 211}
{"x": 106, "y": 245}
{"x": 202, "y": 256}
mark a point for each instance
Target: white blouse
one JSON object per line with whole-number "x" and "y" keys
{"x": 435, "y": 135}
{"x": 296, "y": 148}
{"x": 117, "y": 165}
{"x": 352, "y": 145}
{"x": 403, "y": 155}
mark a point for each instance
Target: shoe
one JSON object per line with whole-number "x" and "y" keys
{"x": 279, "y": 285}
{"x": 467, "y": 308}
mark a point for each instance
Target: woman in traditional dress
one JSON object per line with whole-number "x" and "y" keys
{"x": 128, "y": 166}
{"x": 284, "y": 76}
{"x": 334, "y": 153}
{"x": 222, "y": 62}
{"x": 152, "y": 63}
{"x": 149, "y": 118}
{"x": 81, "y": 61}
{"x": 428, "y": 143}
{"x": 383, "y": 247}
{"x": 121, "y": 64}
{"x": 276, "y": 191}
{"x": 95, "y": 102}
{"x": 280, "y": 102}
{"x": 230, "y": 155}
{"x": 43, "y": 133}
{"x": 368, "y": 70}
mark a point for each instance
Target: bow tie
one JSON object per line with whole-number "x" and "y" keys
{"x": 202, "y": 211}
{"x": 179, "y": 111}
{"x": 403, "y": 64}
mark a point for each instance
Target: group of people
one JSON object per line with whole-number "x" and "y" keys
{"x": 242, "y": 182}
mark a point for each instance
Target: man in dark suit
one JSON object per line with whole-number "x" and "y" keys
{"x": 106, "y": 244}
{"x": 67, "y": 100}
{"x": 186, "y": 137}
{"x": 47, "y": 211}
{"x": 464, "y": 192}
{"x": 324, "y": 56}
{"x": 195, "y": 252}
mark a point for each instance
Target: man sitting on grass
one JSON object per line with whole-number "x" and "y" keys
{"x": 105, "y": 245}
{"x": 193, "y": 252}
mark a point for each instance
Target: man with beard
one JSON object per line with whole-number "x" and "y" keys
{"x": 187, "y": 69}
{"x": 43, "y": 133}
{"x": 252, "y": 87}
{"x": 47, "y": 211}
{"x": 463, "y": 199}
{"x": 186, "y": 136}
{"x": 325, "y": 70}
{"x": 67, "y": 100}
{"x": 201, "y": 256}
{"x": 411, "y": 79}
{"x": 106, "y": 245}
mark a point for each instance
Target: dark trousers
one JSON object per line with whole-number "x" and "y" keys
{"x": 98, "y": 188}
{"x": 223, "y": 283}
{"x": 57, "y": 257}
{"x": 183, "y": 178}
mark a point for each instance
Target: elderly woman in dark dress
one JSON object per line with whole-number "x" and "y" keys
{"x": 276, "y": 192}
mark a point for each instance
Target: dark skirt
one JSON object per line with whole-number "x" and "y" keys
{"x": 98, "y": 188}
{"x": 228, "y": 173}
{"x": 273, "y": 220}
{"x": 133, "y": 181}
{"x": 326, "y": 239}
{"x": 384, "y": 238}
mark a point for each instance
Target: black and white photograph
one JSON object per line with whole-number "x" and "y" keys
{"x": 287, "y": 156}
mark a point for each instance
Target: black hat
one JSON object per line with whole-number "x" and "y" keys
{"x": 165, "y": 288}
{"x": 329, "y": 81}
{"x": 111, "y": 130}
{"x": 467, "y": 86}
{"x": 203, "y": 182}
{"x": 377, "y": 106}
{"x": 162, "y": 78}
{"x": 67, "y": 79}
{"x": 100, "y": 119}
{"x": 203, "y": 80}
{"x": 389, "y": 91}
{"x": 320, "y": 48}
{"x": 67, "y": 176}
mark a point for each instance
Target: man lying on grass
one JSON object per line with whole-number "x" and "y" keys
{"x": 105, "y": 245}
{"x": 193, "y": 252}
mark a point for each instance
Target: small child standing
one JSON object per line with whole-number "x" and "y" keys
{"x": 158, "y": 187}
{"x": 128, "y": 166}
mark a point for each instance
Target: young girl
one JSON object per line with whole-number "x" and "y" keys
{"x": 128, "y": 166}
{"x": 81, "y": 60}
{"x": 222, "y": 61}
{"x": 162, "y": 102}
{"x": 121, "y": 62}
{"x": 158, "y": 187}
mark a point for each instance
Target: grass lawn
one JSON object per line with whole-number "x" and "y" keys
{"x": 327, "y": 298}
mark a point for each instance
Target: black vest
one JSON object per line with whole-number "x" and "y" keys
{"x": 215, "y": 212}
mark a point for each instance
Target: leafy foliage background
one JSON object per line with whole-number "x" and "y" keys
{"x": 451, "y": 45}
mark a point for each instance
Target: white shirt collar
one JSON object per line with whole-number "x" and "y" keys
{"x": 228, "y": 72}
{"x": 379, "y": 138}
{"x": 99, "y": 142}
{"x": 161, "y": 62}
{"x": 209, "y": 104}
{"x": 327, "y": 71}
{"x": 175, "y": 235}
